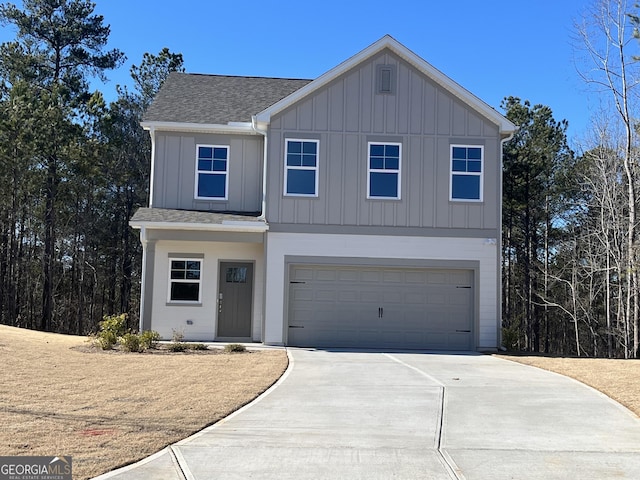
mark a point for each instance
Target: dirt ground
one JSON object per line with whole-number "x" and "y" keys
{"x": 617, "y": 378}
{"x": 108, "y": 409}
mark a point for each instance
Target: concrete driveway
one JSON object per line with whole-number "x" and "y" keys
{"x": 370, "y": 415}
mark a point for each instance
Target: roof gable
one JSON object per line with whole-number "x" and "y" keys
{"x": 388, "y": 42}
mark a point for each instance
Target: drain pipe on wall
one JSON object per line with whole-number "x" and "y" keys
{"x": 500, "y": 345}
{"x": 254, "y": 126}
{"x": 152, "y": 134}
{"x": 263, "y": 214}
{"x": 143, "y": 279}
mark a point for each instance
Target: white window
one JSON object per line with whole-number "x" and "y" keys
{"x": 185, "y": 280}
{"x": 466, "y": 172}
{"x": 301, "y": 167}
{"x": 212, "y": 172}
{"x": 383, "y": 170}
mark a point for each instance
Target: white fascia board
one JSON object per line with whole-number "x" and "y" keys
{"x": 426, "y": 68}
{"x": 228, "y": 226}
{"x": 233, "y": 127}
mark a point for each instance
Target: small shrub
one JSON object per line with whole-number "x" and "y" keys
{"x": 198, "y": 346}
{"x": 106, "y": 340}
{"x": 116, "y": 324}
{"x": 149, "y": 339}
{"x": 130, "y": 342}
{"x": 177, "y": 347}
{"x": 234, "y": 348}
{"x": 111, "y": 327}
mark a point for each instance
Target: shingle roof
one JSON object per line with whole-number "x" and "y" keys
{"x": 166, "y": 215}
{"x": 217, "y": 99}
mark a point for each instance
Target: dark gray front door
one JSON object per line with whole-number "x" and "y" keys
{"x": 234, "y": 299}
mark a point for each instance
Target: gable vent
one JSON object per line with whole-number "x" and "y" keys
{"x": 386, "y": 79}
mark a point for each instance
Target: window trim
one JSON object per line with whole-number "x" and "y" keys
{"x": 370, "y": 170}
{"x": 479, "y": 174}
{"x": 198, "y": 172}
{"x": 287, "y": 167}
{"x": 170, "y": 282}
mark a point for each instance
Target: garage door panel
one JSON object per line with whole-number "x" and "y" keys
{"x": 415, "y": 277}
{"x": 393, "y": 277}
{"x": 371, "y": 276}
{"x": 380, "y": 307}
{"x": 302, "y": 274}
{"x": 326, "y": 276}
{"x": 348, "y": 296}
{"x": 348, "y": 276}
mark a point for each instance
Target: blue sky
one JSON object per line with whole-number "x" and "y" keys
{"x": 494, "y": 48}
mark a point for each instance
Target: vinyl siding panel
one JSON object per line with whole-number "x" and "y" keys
{"x": 420, "y": 115}
{"x": 175, "y": 174}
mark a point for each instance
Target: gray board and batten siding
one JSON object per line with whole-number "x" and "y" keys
{"x": 202, "y": 101}
{"x": 174, "y": 178}
{"x": 347, "y": 114}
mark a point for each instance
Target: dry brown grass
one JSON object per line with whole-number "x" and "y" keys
{"x": 616, "y": 378}
{"x": 109, "y": 409}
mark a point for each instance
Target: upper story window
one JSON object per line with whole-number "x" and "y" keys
{"x": 212, "y": 172}
{"x": 466, "y": 172}
{"x": 184, "y": 280}
{"x": 301, "y": 168}
{"x": 383, "y": 170}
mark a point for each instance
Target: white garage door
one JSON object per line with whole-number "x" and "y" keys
{"x": 380, "y": 307}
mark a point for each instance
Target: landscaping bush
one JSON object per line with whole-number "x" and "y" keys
{"x": 107, "y": 340}
{"x": 149, "y": 339}
{"x": 116, "y": 324}
{"x": 177, "y": 347}
{"x": 198, "y": 346}
{"x": 234, "y": 348}
{"x": 130, "y": 342}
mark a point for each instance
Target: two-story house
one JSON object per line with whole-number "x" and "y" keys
{"x": 359, "y": 209}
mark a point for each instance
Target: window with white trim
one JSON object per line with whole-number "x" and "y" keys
{"x": 212, "y": 172}
{"x": 383, "y": 170}
{"x": 466, "y": 172}
{"x": 185, "y": 279}
{"x": 301, "y": 167}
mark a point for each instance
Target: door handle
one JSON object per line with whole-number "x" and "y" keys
{"x": 380, "y": 312}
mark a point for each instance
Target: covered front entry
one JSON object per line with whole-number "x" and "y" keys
{"x": 381, "y": 307}
{"x": 234, "y": 299}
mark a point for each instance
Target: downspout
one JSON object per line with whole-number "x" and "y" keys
{"x": 152, "y": 133}
{"x": 500, "y": 346}
{"x": 254, "y": 126}
{"x": 263, "y": 213}
{"x": 143, "y": 280}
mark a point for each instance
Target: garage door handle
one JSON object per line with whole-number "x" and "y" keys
{"x": 463, "y": 331}
{"x": 296, "y": 326}
{"x": 460, "y": 286}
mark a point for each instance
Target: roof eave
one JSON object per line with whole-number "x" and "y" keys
{"x": 225, "y": 226}
{"x": 235, "y": 127}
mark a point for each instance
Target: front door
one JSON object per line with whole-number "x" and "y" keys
{"x": 234, "y": 299}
